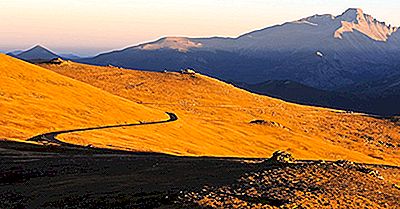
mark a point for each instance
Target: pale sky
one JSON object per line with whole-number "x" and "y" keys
{"x": 87, "y": 27}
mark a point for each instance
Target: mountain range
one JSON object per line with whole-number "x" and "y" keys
{"x": 350, "y": 60}
{"x": 321, "y": 51}
{"x": 38, "y": 54}
{"x": 324, "y": 52}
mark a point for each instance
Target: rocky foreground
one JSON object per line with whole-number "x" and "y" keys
{"x": 33, "y": 176}
{"x": 318, "y": 184}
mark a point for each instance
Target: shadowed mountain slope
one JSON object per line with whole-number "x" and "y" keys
{"x": 376, "y": 97}
{"x": 299, "y": 93}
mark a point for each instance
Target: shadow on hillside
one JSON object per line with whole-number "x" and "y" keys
{"x": 35, "y": 149}
{"x": 34, "y": 176}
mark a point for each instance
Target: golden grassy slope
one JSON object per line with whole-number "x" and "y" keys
{"x": 214, "y": 120}
{"x": 34, "y": 100}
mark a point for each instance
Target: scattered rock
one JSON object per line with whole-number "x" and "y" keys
{"x": 188, "y": 71}
{"x": 259, "y": 122}
{"x": 268, "y": 123}
{"x": 303, "y": 185}
{"x": 56, "y": 61}
{"x": 368, "y": 138}
{"x": 361, "y": 168}
{"x": 395, "y": 119}
{"x": 281, "y": 157}
{"x": 390, "y": 145}
{"x": 345, "y": 163}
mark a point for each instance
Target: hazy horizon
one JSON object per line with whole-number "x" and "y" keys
{"x": 93, "y": 26}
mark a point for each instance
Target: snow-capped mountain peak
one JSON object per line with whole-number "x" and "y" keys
{"x": 355, "y": 20}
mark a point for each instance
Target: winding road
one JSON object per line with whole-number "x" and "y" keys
{"x": 51, "y": 137}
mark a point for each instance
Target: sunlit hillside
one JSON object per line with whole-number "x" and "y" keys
{"x": 214, "y": 119}
{"x": 34, "y": 100}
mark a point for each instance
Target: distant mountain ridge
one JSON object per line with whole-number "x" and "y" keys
{"x": 36, "y": 54}
{"x": 321, "y": 51}
{"x": 350, "y": 21}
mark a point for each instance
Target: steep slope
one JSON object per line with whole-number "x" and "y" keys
{"x": 384, "y": 87}
{"x": 383, "y": 94}
{"x": 321, "y": 51}
{"x": 376, "y": 97}
{"x": 366, "y": 24}
{"x": 215, "y": 119}
{"x": 299, "y": 93}
{"x": 37, "y": 54}
{"x": 34, "y": 100}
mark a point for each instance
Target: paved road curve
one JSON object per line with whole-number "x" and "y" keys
{"x": 51, "y": 138}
